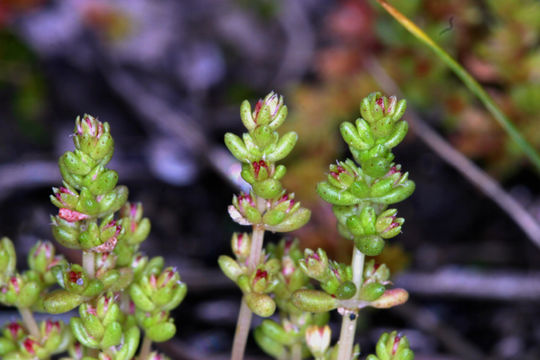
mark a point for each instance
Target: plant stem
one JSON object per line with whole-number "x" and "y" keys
{"x": 296, "y": 351}
{"x": 469, "y": 81}
{"x": 257, "y": 238}
{"x": 89, "y": 263}
{"x": 244, "y": 316}
{"x": 29, "y": 322}
{"x": 242, "y": 330}
{"x": 348, "y": 325}
{"x": 146, "y": 348}
{"x": 93, "y": 352}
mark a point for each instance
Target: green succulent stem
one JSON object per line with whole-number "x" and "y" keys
{"x": 348, "y": 325}
{"x": 93, "y": 352}
{"x": 469, "y": 81}
{"x": 296, "y": 351}
{"x": 29, "y": 322}
{"x": 242, "y": 330}
{"x": 88, "y": 263}
{"x": 244, "y": 316}
{"x": 257, "y": 240}
{"x": 146, "y": 348}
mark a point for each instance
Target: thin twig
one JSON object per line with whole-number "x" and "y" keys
{"x": 31, "y": 174}
{"x": 157, "y": 111}
{"x": 27, "y": 174}
{"x": 458, "y": 161}
{"x": 428, "y": 322}
{"x": 167, "y": 120}
{"x": 299, "y": 42}
{"x": 473, "y": 284}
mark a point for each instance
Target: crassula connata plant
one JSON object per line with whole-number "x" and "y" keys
{"x": 361, "y": 193}
{"x": 267, "y": 207}
{"x": 116, "y": 290}
{"x": 281, "y": 276}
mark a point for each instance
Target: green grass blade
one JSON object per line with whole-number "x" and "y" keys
{"x": 469, "y": 81}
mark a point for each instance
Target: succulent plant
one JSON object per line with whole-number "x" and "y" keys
{"x": 117, "y": 290}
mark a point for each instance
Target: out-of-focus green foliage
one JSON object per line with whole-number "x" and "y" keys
{"x": 497, "y": 44}
{"x": 23, "y": 82}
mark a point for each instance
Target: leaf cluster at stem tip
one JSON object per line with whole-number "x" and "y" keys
{"x": 360, "y": 194}
{"x": 259, "y": 149}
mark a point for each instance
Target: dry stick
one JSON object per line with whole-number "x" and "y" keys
{"x": 146, "y": 348}
{"x": 29, "y": 322}
{"x": 428, "y": 322}
{"x": 348, "y": 325}
{"x": 168, "y": 120}
{"x": 26, "y": 174}
{"x": 458, "y": 161}
{"x": 23, "y": 174}
{"x": 299, "y": 45}
{"x": 472, "y": 284}
{"x": 244, "y": 317}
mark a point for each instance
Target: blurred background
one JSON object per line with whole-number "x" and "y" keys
{"x": 169, "y": 77}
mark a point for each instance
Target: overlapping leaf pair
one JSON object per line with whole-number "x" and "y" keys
{"x": 256, "y": 285}
{"x": 155, "y": 292}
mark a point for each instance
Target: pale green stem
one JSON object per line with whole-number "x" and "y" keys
{"x": 296, "y": 351}
{"x": 88, "y": 263}
{"x": 257, "y": 238}
{"x": 146, "y": 348}
{"x": 29, "y": 322}
{"x": 93, "y": 353}
{"x": 244, "y": 316}
{"x": 348, "y": 325}
{"x": 469, "y": 81}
